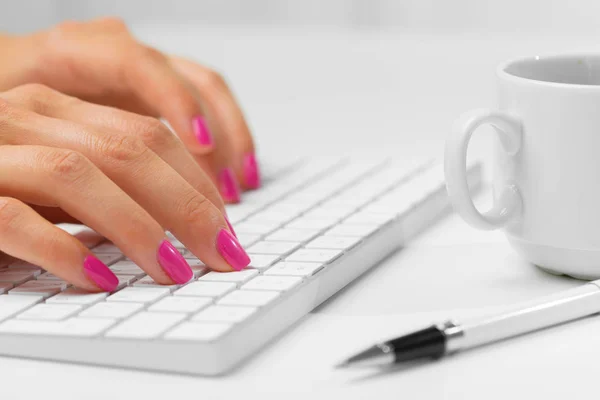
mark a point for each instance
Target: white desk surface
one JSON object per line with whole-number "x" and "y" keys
{"x": 322, "y": 92}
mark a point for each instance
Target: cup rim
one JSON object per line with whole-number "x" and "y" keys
{"x": 502, "y": 73}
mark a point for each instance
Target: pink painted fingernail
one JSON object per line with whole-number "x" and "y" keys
{"x": 201, "y": 131}
{"x": 230, "y": 227}
{"x": 228, "y": 186}
{"x": 98, "y": 272}
{"x": 232, "y": 251}
{"x": 251, "y": 171}
{"x": 173, "y": 263}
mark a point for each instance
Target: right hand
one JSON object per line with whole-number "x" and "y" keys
{"x": 124, "y": 175}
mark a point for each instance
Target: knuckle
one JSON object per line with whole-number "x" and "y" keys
{"x": 10, "y": 116}
{"x": 123, "y": 148}
{"x": 196, "y": 208}
{"x": 150, "y": 53}
{"x": 112, "y": 23}
{"x": 65, "y": 29}
{"x": 37, "y": 97}
{"x": 155, "y": 134}
{"x": 66, "y": 165}
{"x": 10, "y": 209}
{"x": 211, "y": 79}
{"x": 6, "y": 107}
{"x": 35, "y": 89}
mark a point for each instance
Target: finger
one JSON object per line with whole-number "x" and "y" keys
{"x": 151, "y": 131}
{"x": 153, "y": 78}
{"x": 218, "y": 165}
{"x": 149, "y": 181}
{"x": 28, "y": 236}
{"x": 66, "y": 179}
{"x": 150, "y": 77}
{"x": 220, "y": 104}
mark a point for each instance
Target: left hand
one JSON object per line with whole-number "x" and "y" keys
{"x": 101, "y": 62}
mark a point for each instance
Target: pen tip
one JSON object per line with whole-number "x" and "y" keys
{"x": 342, "y": 364}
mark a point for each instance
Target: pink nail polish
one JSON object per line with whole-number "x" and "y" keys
{"x": 201, "y": 131}
{"x": 100, "y": 274}
{"x": 230, "y": 227}
{"x": 228, "y": 186}
{"x": 232, "y": 251}
{"x": 173, "y": 263}
{"x": 251, "y": 171}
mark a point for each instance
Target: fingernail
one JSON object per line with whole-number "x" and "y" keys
{"x": 201, "y": 131}
{"x": 173, "y": 263}
{"x": 230, "y": 227}
{"x": 230, "y": 190}
{"x": 232, "y": 251}
{"x": 98, "y": 272}
{"x": 251, "y": 171}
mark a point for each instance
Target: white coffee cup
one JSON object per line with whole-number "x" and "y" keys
{"x": 546, "y": 184}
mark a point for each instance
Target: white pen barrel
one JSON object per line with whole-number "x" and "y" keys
{"x": 541, "y": 313}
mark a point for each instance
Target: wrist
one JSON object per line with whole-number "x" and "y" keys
{"x": 19, "y": 59}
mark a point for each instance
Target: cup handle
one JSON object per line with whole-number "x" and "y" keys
{"x": 508, "y": 204}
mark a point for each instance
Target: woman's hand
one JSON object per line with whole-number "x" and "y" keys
{"x": 101, "y": 62}
{"x": 122, "y": 174}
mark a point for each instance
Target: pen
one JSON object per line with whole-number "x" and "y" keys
{"x": 450, "y": 337}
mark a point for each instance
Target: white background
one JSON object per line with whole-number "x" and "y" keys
{"x": 433, "y": 16}
{"x": 351, "y": 77}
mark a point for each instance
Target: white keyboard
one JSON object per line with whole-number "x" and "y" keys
{"x": 312, "y": 229}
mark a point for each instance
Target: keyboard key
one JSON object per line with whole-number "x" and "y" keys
{"x": 124, "y": 280}
{"x": 11, "y": 305}
{"x": 277, "y": 283}
{"x": 84, "y": 327}
{"x": 269, "y": 215}
{"x": 48, "y": 276}
{"x": 87, "y": 236}
{"x": 224, "y": 314}
{"x": 367, "y": 218}
{"x": 147, "y": 281}
{"x": 268, "y": 225}
{"x": 50, "y": 312}
{"x": 39, "y": 288}
{"x": 314, "y": 255}
{"x": 255, "y": 229}
{"x": 145, "y": 325}
{"x": 139, "y": 295}
{"x": 115, "y": 310}
{"x": 196, "y": 331}
{"x": 127, "y": 268}
{"x": 205, "y": 289}
{"x": 262, "y": 261}
{"x": 77, "y": 296}
{"x": 106, "y": 248}
{"x": 289, "y": 268}
{"x": 280, "y": 248}
{"x": 109, "y": 259}
{"x": 352, "y": 230}
{"x": 176, "y": 243}
{"x": 312, "y": 224}
{"x": 333, "y": 242}
{"x": 237, "y": 277}
{"x": 247, "y": 239}
{"x": 239, "y": 212}
{"x": 329, "y": 212}
{"x": 181, "y": 304}
{"x": 292, "y": 235}
{"x": 15, "y": 277}
{"x": 23, "y": 266}
{"x": 248, "y": 298}
{"x": 197, "y": 266}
